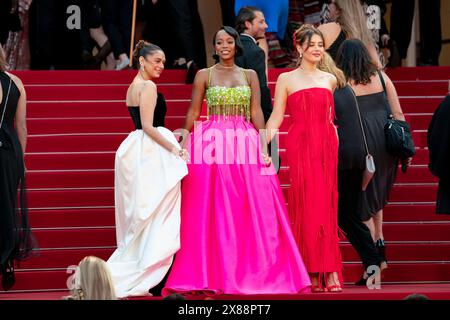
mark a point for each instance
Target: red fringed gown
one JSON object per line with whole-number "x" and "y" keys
{"x": 312, "y": 152}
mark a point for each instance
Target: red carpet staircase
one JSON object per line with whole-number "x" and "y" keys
{"x": 77, "y": 119}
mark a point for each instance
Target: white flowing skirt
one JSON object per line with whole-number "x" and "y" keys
{"x": 147, "y": 202}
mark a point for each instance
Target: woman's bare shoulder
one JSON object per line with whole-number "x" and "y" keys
{"x": 16, "y": 80}
{"x": 329, "y": 27}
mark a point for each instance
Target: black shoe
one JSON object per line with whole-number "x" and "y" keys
{"x": 192, "y": 71}
{"x": 363, "y": 281}
{"x": 428, "y": 63}
{"x": 8, "y": 278}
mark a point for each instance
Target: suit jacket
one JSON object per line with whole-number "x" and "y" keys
{"x": 439, "y": 141}
{"x": 254, "y": 58}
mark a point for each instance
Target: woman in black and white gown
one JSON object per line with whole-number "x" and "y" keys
{"x": 149, "y": 167}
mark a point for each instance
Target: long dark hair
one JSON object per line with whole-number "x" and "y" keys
{"x": 354, "y": 60}
{"x": 232, "y": 32}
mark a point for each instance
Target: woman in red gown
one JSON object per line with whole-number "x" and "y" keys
{"x": 312, "y": 156}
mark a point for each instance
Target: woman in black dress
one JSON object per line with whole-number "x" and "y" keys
{"x": 16, "y": 242}
{"x": 375, "y": 94}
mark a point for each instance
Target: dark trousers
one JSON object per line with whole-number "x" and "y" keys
{"x": 402, "y": 14}
{"x": 43, "y": 34}
{"x": 349, "y": 219}
{"x": 443, "y": 197}
{"x": 116, "y": 19}
{"x": 228, "y": 16}
{"x": 189, "y": 28}
{"x": 159, "y": 29}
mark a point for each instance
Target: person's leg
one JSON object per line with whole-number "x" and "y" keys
{"x": 43, "y": 26}
{"x": 402, "y": 14}
{"x": 84, "y": 32}
{"x": 228, "y": 16}
{"x": 371, "y": 226}
{"x": 125, "y": 21}
{"x": 110, "y": 9}
{"x": 182, "y": 18}
{"x": 199, "y": 44}
{"x": 316, "y": 282}
{"x": 378, "y": 225}
{"x": 105, "y": 52}
{"x": 430, "y": 31}
{"x": 357, "y": 233}
{"x": 443, "y": 196}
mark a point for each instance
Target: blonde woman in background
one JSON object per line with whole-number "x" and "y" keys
{"x": 349, "y": 22}
{"x": 93, "y": 281}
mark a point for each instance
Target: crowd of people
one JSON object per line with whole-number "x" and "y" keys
{"x": 32, "y": 31}
{"x": 205, "y": 212}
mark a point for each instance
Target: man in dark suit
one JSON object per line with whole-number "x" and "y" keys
{"x": 251, "y": 25}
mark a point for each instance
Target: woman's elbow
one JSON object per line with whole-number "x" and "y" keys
{"x": 22, "y": 128}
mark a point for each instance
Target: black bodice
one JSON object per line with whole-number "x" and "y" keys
{"x": 158, "y": 116}
{"x": 333, "y": 49}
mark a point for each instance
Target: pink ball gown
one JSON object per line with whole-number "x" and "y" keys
{"x": 312, "y": 152}
{"x": 235, "y": 232}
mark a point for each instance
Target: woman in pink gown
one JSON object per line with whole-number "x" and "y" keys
{"x": 312, "y": 156}
{"x": 235, "y": 233}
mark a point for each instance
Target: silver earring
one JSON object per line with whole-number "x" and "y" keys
{"x": 301, "y": 55}
{"x": 142, "y": 67}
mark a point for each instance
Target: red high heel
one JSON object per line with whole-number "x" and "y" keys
{"x": 318, "y": 288}
{"x": 334, "y": 288}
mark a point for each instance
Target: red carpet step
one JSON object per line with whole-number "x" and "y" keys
{"x": 77, "y": 120}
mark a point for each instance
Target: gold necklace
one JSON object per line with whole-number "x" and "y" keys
{"x": 308, "y": 72}
{"x": 225, "y": 66}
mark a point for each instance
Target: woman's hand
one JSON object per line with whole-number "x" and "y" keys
{"x": 405, "y": 164}
{"x": 267, "y": 159}
{"x": 182, "y": 153}
{"x": 24, "y": 5}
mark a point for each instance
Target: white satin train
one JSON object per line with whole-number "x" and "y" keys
{"x": 147, "y": 202}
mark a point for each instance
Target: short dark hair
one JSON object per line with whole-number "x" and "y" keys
{"x": 142, "y": 49}
{"x": 354, "y": 60}
{"x": 245, "y": 14}
{"x": 232, "y": 32}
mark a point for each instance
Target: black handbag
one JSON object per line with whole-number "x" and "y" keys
{"x": 399, "y": 141}
{"x": 4, "y": 109}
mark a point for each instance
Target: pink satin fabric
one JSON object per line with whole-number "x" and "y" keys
{"x": 235, "y": 233}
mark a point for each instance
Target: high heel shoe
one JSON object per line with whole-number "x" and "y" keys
{"x": 363, "y": 281}
{"x": 335, "y": 287}
{"x": 8, "y": 278}
{"x": 318, "y": 288}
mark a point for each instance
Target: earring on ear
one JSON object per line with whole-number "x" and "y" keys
{"x": 142, "y": 67}
{"x": 301, "y": 55}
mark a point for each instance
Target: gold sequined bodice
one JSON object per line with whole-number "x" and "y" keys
{"x": 228, "y": 101}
